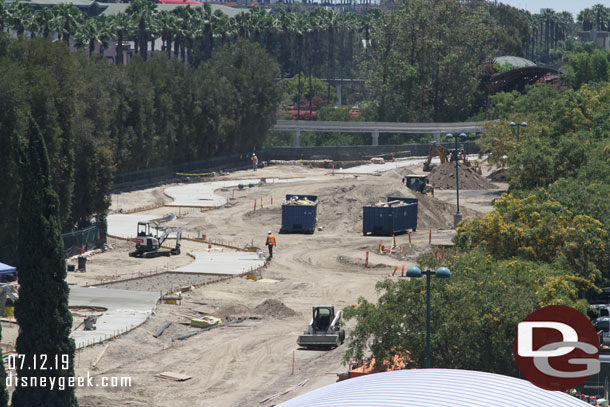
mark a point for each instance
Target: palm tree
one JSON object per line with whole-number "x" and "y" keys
{"x": 223, "y": 27}
{"x": 68, "y": 18}
{"x": 167, "y": 27}
{"x": 315, "y": 26}
{"x": 43, "y": 19}
{"x": 205, "y": 18}
{"x": 242, "y": 21}
{"x": 19, "y": 14}
{"x": 88, "y": 35}
{"x": 286, "y": 21}
{"x": 3, "y": 14}
{"x": 331, "y": 21}
{"x": 586, "y": 18}
{"x": 301, "y": 27}
{"x": 602, "y": 16}
{"x": 271, "y": 25}
{"x": 193, "y": 30}
{"x": 142, "y": 12}
{"x": 120, "y": 26}
{"x": 257, "y": 22}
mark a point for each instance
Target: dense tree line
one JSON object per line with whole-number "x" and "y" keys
{"x": 424, "y": 57}
{"x": 320, "y": 39}
{"x": 98, "y": 118}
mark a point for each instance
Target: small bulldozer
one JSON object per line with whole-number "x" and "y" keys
{"x": 324, "y": 330}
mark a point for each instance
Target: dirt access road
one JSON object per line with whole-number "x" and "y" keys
{"x": 240, "y": 365}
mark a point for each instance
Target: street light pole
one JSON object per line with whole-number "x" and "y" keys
{"x": 458, "y": 216}
{"x": 428, "y": 346}
{"x": 514, "y": 125}
{"x": 416, "y": 272}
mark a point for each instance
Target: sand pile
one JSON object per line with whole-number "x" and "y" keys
{"x": 274, "y": 308}
{"x": 443, "y": 177}
{"x": 499, "y": 175}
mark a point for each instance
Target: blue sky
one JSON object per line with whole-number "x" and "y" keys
{"x": 573, "y": 6}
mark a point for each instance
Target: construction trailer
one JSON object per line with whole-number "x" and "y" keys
{"x": 149, "y": 242}
{"x": 396, "y": 215}
{"x": 299, "y": 213}
{"x": 324, "y": 330}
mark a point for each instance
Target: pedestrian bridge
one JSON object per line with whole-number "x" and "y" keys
{"x": 374, "y": 128}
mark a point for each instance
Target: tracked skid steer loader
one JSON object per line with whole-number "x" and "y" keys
{"x": 324, "y": 330}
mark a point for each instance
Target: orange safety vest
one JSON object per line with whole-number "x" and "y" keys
{"x": 270, "y": 240}
{"x": 254, "y": 159}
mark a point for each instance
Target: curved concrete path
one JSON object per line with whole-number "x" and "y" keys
{"x": 125, "y": 311}
{"x": 202, "y": 194}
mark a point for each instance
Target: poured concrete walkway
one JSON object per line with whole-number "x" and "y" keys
{"x": 390, "y": 165}
{"x": 202, "y": 194}
{"x": 125, "y": 311}
{"x": 229, "y": 263}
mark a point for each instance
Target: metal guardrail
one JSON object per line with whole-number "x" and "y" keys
{"x": 380, "y": 127}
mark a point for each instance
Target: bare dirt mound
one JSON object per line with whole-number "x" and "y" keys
{"x": 274, "y": 308}
{"x": 443, "y": 177}
{"x": 234, "y": 311}
{"x": 499, "y": 175}
{"x": 340, "y": 207}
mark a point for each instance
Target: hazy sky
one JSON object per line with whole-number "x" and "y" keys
{"x": 573, "y": 6}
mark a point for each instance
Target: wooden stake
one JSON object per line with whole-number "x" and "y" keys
{"x": 293, "y": 363}
{"x": 100, "y": 357}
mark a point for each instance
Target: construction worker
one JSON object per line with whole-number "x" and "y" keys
{"x": 270, "y": 243}
{"x": 254, "y": 161}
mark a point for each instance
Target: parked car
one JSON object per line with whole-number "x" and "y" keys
{"x": 603, "y": 324}
{"x": 602, "y": 309}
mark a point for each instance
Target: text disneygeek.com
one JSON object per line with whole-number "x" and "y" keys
{"x": 61, "y": 383}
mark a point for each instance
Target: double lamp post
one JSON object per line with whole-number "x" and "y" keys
{"x": 416, "y": 272}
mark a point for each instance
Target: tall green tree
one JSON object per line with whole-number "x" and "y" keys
{"x": 45, "y": 322}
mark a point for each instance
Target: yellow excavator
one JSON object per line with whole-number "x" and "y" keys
{"x": 442, "y": 153}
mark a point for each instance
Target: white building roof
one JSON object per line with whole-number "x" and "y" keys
{"x": 433, "y": 387}
{"x": 514, "y": 61}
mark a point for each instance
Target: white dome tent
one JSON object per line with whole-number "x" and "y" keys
{"x": 433, "y": 387}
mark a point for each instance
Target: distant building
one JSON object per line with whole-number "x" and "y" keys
{"x": 600, "y": 38}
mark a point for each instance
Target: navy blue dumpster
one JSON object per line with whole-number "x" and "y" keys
{"x": 299, "y": 218}
{"x": 393, "y": 220}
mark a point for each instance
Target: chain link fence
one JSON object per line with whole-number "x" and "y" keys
{"x": 83, "y": 239}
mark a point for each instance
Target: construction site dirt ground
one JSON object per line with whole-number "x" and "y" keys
{"x": 244, "y": 363}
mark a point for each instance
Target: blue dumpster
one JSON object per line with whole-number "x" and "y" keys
{"x": 392, "y": 220}
{"x": 299, "y": 218}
